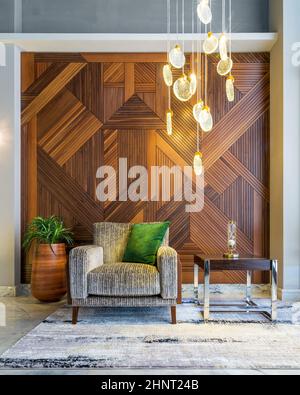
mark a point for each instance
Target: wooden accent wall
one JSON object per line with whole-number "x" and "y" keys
{"x": 80, "y": 111}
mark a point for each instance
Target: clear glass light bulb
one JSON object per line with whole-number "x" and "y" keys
{"x": 182, "y": 88}
{"x": 225, "y": 66}
{"x": 169, "y": 121}
{"x": 204, "y": 12}
{"x": 168, "y": 76}
{"x": 197, "y": 110}
{"x": 230, "y": 89}
{"x": 206, "y": 120}
{"x": 198, "y": 165}
{"x": 177, "y": 57}
{"x": 210, "y": 44}
{"x": 223, "y": 47}
{"x": 193, "y": 83}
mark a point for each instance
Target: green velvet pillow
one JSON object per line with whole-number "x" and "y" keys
{"x": 144, "y": 242}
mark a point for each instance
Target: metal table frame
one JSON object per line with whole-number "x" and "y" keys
{"x": 249, "y": 304}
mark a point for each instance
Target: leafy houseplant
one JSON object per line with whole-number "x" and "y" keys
{"x": 49, "y": 263}
{"x": 47, "y": 231}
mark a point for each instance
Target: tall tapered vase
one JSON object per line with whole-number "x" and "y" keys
{"x": 49, "y": 280}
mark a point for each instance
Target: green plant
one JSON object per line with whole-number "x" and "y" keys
{"x": 47, "y": 231}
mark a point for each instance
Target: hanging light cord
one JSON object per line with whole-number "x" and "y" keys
{"x": 230, "y": 29}
{"x": 199, "y": 74}
{"x": 210, "y": 28}
{"x": 193, "y": 42}
{"x": 168, "y": 27}
{"x": 223, "y": 15}
{"x": 183, "y": 43}
{"x": 169, "y": 44}
{"x": 177, "y": 19}
{"x": 206, "y": 73}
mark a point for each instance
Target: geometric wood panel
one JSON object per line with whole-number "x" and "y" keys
{"x": 81, "y": 111}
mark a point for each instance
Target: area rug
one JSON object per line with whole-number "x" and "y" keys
{"x": 144, "y": 338}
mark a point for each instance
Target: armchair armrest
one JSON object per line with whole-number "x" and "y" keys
{"x": 82, "y": 261}
{"x": 167, "y": 267}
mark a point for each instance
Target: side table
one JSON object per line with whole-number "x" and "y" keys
{"x": 247, "y": 264}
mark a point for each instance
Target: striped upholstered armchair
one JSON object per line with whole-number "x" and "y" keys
{"x": 99, "y": 278}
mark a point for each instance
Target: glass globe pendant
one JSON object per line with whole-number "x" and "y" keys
{"x": 168, "y": 76}
{"x": 204, "y": 12}
{"x": 169, "y": 122}
{"x": 230, "y": 89}
{"x": 225, "y": 66}
{"x": 223, "y": 47}
{"x": 210, "y": 44}
{"x": 197, "y": 110}
{"x": 177, "y": 57}
{"x": 206, "y": 120}
{"x": 182, "y": 88}
{"x": 198, "y": 165}
{"x": 193, "y": 83}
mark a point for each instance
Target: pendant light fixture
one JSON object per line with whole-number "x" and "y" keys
{"x": 230, "y": 88}
{"x": 204, "y": 12}
{"x": 210, "y": 44}
{"x": 193, "y": 83}
{"x": 183, "y": 87}
{"x": 167, "y": 69}
{"x": 230, "y": 91}
{"x": 198, "y": 107}
{"x": 223, "y": 39}
{"x": 192, "y": 76}
{"x": 198, "y": 164}
{"x": 205, "y": 118}
{"x": 225, "y": 65}
{"x": 176, "y": 55}
{"x": 168, "y": 76}
{"x": 223, "y": 47}
{"x": 169, "y": 122}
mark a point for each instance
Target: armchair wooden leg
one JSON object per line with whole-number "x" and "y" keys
{"x": 75, "y": 311}
{"x": 179, "y": 274}
{"x": 173, "y": 315}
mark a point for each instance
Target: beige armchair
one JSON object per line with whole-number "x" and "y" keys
{"x": 99, "y": 278}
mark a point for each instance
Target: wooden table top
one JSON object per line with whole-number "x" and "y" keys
{"x": 219, "y": 263}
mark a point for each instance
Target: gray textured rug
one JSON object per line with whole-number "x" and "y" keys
{"x": 143, "y": 338}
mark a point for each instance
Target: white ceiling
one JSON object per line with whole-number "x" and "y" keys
{"x": 118, "y": 43}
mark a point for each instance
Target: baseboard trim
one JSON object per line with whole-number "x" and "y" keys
{"x": 19, "y": 290}
{"x": 7, "y": 292}
{"x": 289, "y": 295}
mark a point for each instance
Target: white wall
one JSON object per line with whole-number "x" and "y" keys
{"x": 10, "y": 169}
{"x": 291, "y": 151}
{"x": 285, "y": 147}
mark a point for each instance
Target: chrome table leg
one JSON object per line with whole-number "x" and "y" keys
{"x": 274, "y": 280}
{"x": 206, "y": 289}
{"x": 196, "y": 282}
{"x": 249, "y": 287}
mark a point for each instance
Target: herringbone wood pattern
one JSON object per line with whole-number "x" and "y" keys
{"x": 80, "y": 111}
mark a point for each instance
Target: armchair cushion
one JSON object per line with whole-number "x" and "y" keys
{"x": 82, "y": 261}
{"x": 167, "y": 267}
{"x": 124, "y": 280}
{"x": 144, "y": 242}
{"x": 113, "y": 238}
